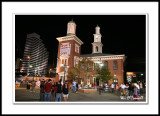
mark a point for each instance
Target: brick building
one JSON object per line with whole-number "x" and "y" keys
{"x": 69, "y": 54}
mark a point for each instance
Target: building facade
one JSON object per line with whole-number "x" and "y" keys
{"x": 35, "y": 58}
{"x": 69, "y": 55}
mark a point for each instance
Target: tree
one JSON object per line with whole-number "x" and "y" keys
{"x": 85, "y": 65}
{"x": 73, "y": 73}
{"x": 105, "y": 74}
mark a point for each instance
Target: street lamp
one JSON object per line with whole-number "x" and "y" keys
{"x": 100, "y": 66}
{"x": 64, "y": 65}
{"x": 49, "y": 71}
{"x": 28, "y": 57}
{"x": 115, "y": 81}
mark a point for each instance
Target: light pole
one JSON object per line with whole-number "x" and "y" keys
{"x": 28, "y": 57}
{"x": 64, "y": 65}
{"x": 100, "y": 66}
{"x": 50, "y": 71}
{"x": 115, "y": 82}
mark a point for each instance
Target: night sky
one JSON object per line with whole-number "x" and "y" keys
{"x": 121, "y": 34}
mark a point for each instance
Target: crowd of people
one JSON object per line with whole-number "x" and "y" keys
{"x": 50, "y": 90}
{"x": 130, "y": 89}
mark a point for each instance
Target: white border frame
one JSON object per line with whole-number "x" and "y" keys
{"x": 104, "y": 7}
{"x": 84, "y": 102}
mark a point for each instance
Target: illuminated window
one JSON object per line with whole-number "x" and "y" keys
{"x": 62, "y": 61}
{"x": 65, "y": 61}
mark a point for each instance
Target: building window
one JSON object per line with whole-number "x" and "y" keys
{"x": 115, "y": 65}
{"x": 76, "y": 48}
{"x": 93, "y": 66}
{"x": 89, "y": 66}
{"x": 82, "y": 66}
{"x": 97, "y": 48}
{"x": 64, "y": 61}
{"x": 106, "y": 64}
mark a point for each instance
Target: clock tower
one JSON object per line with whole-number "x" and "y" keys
{"x": 97, "y": 45}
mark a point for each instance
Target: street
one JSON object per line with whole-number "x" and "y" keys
{"x": 23, "y": 95}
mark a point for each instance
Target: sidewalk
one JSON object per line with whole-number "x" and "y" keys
{"x": 24, "y": 95}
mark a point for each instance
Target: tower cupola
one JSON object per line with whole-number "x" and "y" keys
{"x": 71, "y": 28}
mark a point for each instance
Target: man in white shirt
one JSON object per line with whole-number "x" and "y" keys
{"x": 74, "y": 86}
{"x": 112, "y": 86}
{"x": 138, "y": 89}
{"x": 122, "y": 89}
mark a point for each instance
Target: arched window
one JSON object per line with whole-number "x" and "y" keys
{"x": 106, "y": 64}
{"x": 97, "y": 48}
{"x": 115, "y": 65}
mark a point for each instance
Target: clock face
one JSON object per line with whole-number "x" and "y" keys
{"x": 96, "y": 36}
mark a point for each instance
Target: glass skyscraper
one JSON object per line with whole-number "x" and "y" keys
{"x": 35, "y": 58}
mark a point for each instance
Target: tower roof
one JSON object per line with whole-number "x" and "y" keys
{"x": 97, "y": 26}
{"x": 71, "y": 21}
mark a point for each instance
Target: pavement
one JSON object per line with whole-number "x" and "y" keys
{"x": 23, "y": 95}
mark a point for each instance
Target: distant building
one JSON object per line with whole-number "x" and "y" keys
{"x": 134, "y": 77}
{"x": 35, "y": 59}
{"x": 69, "y": 53}
{"x": 18, "y": 65}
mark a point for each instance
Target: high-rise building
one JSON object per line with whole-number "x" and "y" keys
{"x": 35, "y": 58}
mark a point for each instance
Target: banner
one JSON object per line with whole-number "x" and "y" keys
{"x": 65, "y": 49}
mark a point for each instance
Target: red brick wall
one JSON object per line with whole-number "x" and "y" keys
{"x": 71, "y": 57}
{"x": 119, "y": 71}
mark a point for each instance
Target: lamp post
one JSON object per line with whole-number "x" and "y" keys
{"x": 28, "y": 57}
{"x": 50, "y": 71}
{"x": 64, "y": 65}
{"x": 115, "y": 81}
{"x": 100, "y": 66}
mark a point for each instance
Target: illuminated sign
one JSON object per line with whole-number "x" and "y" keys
{"x": 65, "y": 49}
{"x": 134, "y": 75}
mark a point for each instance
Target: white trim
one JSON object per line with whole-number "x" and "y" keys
{"x": 72, "y": 37}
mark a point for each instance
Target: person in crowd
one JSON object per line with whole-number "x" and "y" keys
{"x": 112, "y": 87}
{"x": 65, "y": 91}
{"x": 53, "y": 92}
{"x": 141, "y": 88}
{"x": 47, "y": 90}
{"x": 33, "y": 84}
{"x": 42, "y": 90}
{"x": 59, "y": 91}
{"x": 135, "y": 92}
{"x": 77, "y": 87}
{"x": 74, "y": 86}
{"x": 138, "y": 88}
{"x": 122, "y": 89}
{"x": 126, "y": 90}
{"x": 95, "y": 85}
{"x": 117, "y": 88}
{"x": 28, "y": 86}
{"x": 104, "y": 87}
{"x": 131, "y": 89}
{"x": 38, "y": 83}
{"x": 55, "y": 88}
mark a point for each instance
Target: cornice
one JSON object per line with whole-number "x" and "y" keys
{"x": 72, "y": 37}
